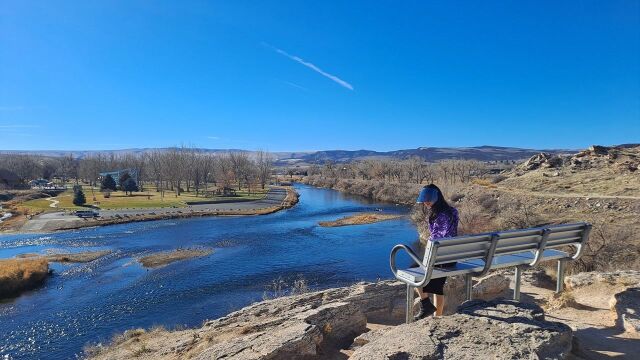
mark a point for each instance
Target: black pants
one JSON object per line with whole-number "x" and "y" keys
{"x": 436, "y": 286}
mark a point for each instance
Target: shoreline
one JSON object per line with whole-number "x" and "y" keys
{"x": 291, "y": 198}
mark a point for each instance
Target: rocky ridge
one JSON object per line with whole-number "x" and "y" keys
{"x": 337, "y": 323}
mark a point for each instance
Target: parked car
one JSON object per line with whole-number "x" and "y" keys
{"x": 87, "y": 213}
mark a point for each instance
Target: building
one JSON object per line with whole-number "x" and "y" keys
{"x": 117, "y": 173}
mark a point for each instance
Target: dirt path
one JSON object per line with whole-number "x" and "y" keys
{"x": 593, "y": 323}
{"x": 564, "y": 195}
{"x": 54, "y": 202}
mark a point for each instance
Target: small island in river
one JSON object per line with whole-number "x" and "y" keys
{"x": 359, "y": 219}
{"x": 167, "y": 257}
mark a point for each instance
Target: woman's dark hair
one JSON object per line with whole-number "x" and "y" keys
{"x": 440, "y": 206}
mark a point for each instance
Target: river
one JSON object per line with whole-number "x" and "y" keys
{"x": 89, "y": 303}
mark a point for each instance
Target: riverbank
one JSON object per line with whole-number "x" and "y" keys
{"x": 399, "y": 193}
{"x": 278, "y": 198}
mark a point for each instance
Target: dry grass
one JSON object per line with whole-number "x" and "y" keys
{"x": 167, "y": 257}
{"x": 17, "y": 275}
{"x": 484, "y": 182}
{"x": 359, "y": 219}
{"x": 560, "y": 301}
{"x": 82, "y": 257}
{"x": 78, "y": 257}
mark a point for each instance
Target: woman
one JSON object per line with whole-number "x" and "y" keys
{"x": 443, "y": 223}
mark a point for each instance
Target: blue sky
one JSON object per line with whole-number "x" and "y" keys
{"x": 302, "y": 75}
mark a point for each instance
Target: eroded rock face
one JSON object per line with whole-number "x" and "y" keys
{"x": 626, "y": 304}
{"x": 318, "y": 325}
{"x": 498, "y": 329}
{"x": 626, "y": 277}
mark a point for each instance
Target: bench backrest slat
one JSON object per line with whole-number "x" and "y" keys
{"x": 464, "y": 248}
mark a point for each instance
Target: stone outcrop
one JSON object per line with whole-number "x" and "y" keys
{"x": 320, "y": 325}
{"x": 313, "y": 325}
{"x": 624, "y": 277}
{"x": 498, "y": 329}
{"x": 541, "y": 161}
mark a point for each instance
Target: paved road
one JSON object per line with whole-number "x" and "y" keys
{"x": 274, "y": 197}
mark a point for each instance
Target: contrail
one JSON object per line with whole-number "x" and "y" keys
{"x": 312, "y": 67}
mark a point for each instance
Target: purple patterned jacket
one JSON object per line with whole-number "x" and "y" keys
{"x": 443, "y": 226}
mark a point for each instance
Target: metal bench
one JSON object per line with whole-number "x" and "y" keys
{"x": 475, "y": 255}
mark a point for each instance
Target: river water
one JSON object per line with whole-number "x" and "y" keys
{"x": 89, "y": 303}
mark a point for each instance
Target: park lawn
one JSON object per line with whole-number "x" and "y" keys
{"x": 139, "y": 200}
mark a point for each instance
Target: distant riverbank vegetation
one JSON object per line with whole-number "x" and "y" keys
{"x": 162, "y": 178}
{"x": 175, "y": 170}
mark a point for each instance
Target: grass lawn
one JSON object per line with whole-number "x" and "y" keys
{"x": 146, "y": 199}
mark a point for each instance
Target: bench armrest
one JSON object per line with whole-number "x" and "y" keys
{"x": 414, "y": 257}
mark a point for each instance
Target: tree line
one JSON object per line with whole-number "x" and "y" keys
{"x": 174, "y": 169}
{"x": 411, "y": 170}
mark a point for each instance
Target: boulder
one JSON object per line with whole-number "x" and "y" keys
{"x": 497, "y": 329}
{"x": 626, "y": 305}
{"x": 486, "y": 288}
{"x": 541, "y": 160}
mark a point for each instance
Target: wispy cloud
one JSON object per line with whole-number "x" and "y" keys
{"x": 213, "y": 137}
{"x": 311, "y": 66}
{"x": 295, "y": 85}
{"x": 18, "y": 126}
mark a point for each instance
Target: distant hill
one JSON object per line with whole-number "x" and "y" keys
{"x": 304, "y": 158}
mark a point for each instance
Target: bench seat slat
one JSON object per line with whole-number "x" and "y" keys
{"x": 472, "y": 266}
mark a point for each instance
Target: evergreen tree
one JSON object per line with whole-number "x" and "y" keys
{"x": 78, "y": 196}
{"x": 122, "y": 179}
{"x": 108, "y": 183}
{"x": 129, "y": 185}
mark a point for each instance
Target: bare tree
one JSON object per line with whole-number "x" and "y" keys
{"x": 264, "y": 164}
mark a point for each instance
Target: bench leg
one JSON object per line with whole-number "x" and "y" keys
{"x": 409, "y": 305}
{"x": 516, "y": 288}
{"x": 560, "y": 276}
{"x": 468, "y": 286}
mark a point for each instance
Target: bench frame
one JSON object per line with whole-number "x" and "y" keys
{"x": 431, "y": 253}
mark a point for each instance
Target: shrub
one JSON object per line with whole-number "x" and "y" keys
{"x": 483, "y": 182}
{"x": 129, "y": 185}
{"x": 108, "y": 183}
{"x": 488, "y": 203}
{"x": 78, "y": 197}
{"x": 517, "y": 215}
{"x": 498, "y": 178}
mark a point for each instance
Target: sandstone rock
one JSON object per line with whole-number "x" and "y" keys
{"x": 368, "y": 337}
{"x": 498, "y": 329}
{"x": 625, "y": 277}
{"x": 486, "y": 288}
{"x": 541, "y": 160}
{"x": 626, "y": 305}
{"x": 303, "y": 326}
{"x": 318, "y": 325}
